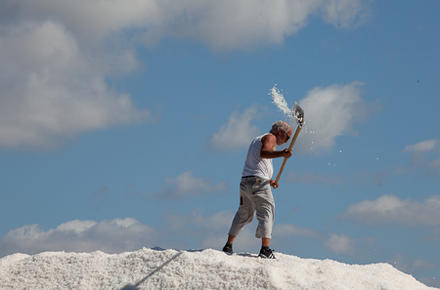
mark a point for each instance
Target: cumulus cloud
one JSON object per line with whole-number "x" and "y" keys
{"x": 390, "y": 208}
{"x": 186, "y": 184}
{"x": 250, "y": 23}
{"x": 423, "y": 146}
{"x": 56, "y": 54}
{"x": 90, "y": 21}
{"x": 237, "y": 132}
{"x": 220, "y": 24}
{"x": 424, "y": 157}
{"x": 55, "y": 57}
{"x": 50, "y": 90}
{"x": 111, "y": 236}
{"x": 330, "y": 112}
{"x": 340, "y": 244}
{"x": 193, "y": 230}
{"x": 181, "y": 231}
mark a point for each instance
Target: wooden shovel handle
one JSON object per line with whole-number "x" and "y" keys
{"x": 298, "y": 129}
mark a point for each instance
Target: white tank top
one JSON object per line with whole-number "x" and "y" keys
{"x": 255, "y": 165}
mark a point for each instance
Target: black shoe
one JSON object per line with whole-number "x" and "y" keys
{"x": 266, "y": 253}
{"x": 227, "y": 249}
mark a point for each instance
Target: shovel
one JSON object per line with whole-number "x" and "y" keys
{"x": 298, "y": 114}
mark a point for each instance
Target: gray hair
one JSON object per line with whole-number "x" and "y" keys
{"x": 280, "y": 126}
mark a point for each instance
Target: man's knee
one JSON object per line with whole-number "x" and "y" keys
{"x": 245, "y": 217}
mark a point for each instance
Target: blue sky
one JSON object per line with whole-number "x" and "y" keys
{"x": 126, "y": 125}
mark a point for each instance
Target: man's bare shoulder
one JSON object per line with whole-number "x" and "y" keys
{"x": 268, "y": 138}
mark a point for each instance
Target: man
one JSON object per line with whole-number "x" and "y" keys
{"x": 255, "y": 192}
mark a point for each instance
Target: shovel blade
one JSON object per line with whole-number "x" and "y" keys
{"x": 298, "y": 114}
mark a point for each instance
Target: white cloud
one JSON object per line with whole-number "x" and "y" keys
{"x": 221, "y": 24}
{"x": 186, "y": 184}
{"x": 181, "y": 231}
{"x": 111, "y": 236}
{"x": 259, "y": 22}
{"x": 238, "y": 132}
{"x": 55, "y": 57}
{"x": 192, "y": 230}
{"x": 421, "y": 147}
{"x": 329, "y": 112}
{"x": 340, "y": 244}
{"x": 50, "y": 90}
{"x": 389, "y": 208}
{"x": 90, "y": 21}
{"x": 424, "y": 158}
{"x": 56, "y": 54}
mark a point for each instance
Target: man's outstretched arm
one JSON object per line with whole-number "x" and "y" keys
{"x": 268, "y": 148}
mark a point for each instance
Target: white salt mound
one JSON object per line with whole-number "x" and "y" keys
{"x": 207, "y": 269}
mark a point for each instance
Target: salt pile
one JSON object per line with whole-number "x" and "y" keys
{"x": 205, "y": 269}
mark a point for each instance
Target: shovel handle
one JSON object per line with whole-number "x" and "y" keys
{"x": 298, "y": 129}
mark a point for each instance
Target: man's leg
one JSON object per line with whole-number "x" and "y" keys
{"x": 243, "y": 216}
{"x": 265, "y": 214}
{"x": 265, "y": 242}
{"x": 231, "y": 239}
{"x": 265, "y": 208}
{"x": 265, "y": 230}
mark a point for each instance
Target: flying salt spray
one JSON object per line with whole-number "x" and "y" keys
{"x": 280, "y": 102}
{"x": 297, "y": 115}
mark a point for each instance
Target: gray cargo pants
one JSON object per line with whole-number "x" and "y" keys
{"x": 255, "y": 195}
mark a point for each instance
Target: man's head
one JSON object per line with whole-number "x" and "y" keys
{"x": 282, "y": 131}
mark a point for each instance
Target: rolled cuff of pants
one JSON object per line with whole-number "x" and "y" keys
{"x": 265, "y": 216}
